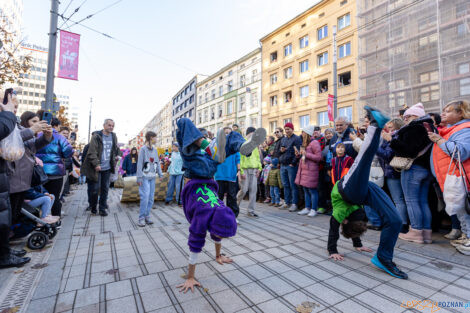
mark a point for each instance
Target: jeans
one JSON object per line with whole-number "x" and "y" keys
{"x": 415, "y": 183}
{"x": 82, "y": 179}
{"x": 102, "y": 187}
{"x": 54, "y": 187}
{"x": 464, "y": 220}
{"x": 357, "y": 189}
{"x": 396, "y": 191}
{"x": 373, "y": 216}
{"x": 196, "y": 163}
{"x": 275, "y": 194}
{"x": 45, "y": 203}
{"x": 229, "y": 188}
{"x": 146, "y": 193}
{"x": 249, "y": 184}
{"x": 311, "y": 198}
{"x": 288, "y": 174}
{"x": 175, "y": 182}
{"x": 455, "y": 222}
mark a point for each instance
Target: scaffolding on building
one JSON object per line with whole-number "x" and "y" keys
{"x": 413, "y": 51}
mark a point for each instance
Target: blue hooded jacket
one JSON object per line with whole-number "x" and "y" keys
{"x": 53, "y": 154}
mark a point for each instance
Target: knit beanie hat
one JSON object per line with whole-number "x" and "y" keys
{"x": 267, "y": 159}
{"x": 275, "y": 162}
{"x": 250, "y": 130}
{"x": 290, "y": 125}
{"x": 223, "y": 222}
{"x": 417, "y": 109}
{"x": 309, "y": 129}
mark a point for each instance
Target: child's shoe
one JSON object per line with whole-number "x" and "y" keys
{"x": 258, "y": 137}
{"x": 389, "y": 267}
{"x": 305, "y": 211}
{"x": 141, "y": 222}
{"x": 312, "y": 213}
{"x": 148, "y": 220}
{"x": 268, "y": 200}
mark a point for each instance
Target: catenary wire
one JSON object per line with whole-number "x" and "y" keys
{"x": 91, "y": 15}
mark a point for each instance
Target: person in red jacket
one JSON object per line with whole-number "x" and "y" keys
{"x": 307, "y": 174}
{"x": 340, "y": 164}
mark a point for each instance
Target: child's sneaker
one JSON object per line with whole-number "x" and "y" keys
{"x": 312, "y": 213}
{"x": 464, "y": 248}
{"x": 267, "y": 200}
{"x": 305, "y": 211}
{"x": 389, "y": 267}
{"x": 148, "y": 220}
{"x": 141, "y": 222}
{"x": 257, "y": 138}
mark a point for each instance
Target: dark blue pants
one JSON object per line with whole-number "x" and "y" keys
{"x": 358, "y": 190}
{"x": 100, "y": 187}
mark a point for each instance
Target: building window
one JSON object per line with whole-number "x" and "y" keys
{"x": 212, "y": 113}
{"x": 242, "y": 66}
{"x": 273, "y": 78}
{"x": 304, "y": 91}
{"x": 303, "y": 66}
{"x": 346, "y": 111}
{"x": 322, "y": 118}
{"x": 254, "y": 99}
{"x": 344, "y": 21}
{"x": 464, "y": 82}
{"x": 344, "y": 79}
{"x": 429, "y": 93}
{"x": 200, "y": 99}
{"x": 205, "y": 115}
{"x": 221, "y": 91}
{"x": 273, "y": 100}
{"x": 288, "y": 72}
{"x": 287, "y": 120}
{"x": 190, "y": 112}
{"x": 213, "y": 94}
{"x": 221, "y": 110}
{"x": 254, "y": 76}
{"x": 303, "y": 42}
{"x": 396, "y": 99}
{"x": 323, "y": 86}
{"x": 344, "y": 50}
{"x": 230, "y": 107}
{"x": 272, "y": 126}
{"x": 322, "y": 32}
{"x": 287, "y": 96}
{"x": 461, "y": 29}
{"x": 428, "y": 40}
{"x": 273, "y": 56}
{"x": 428, "y": 77}
{"x": 206, "y": 96}
{"x": 242, "y": 81}
{"x": 288, "y": 50}
{"x": 304, "y": 121}
{"x": 230, "y": 73}
{"x": 242, "y": 103}
{"x": 323, "y": 59}
{"x": 230, "y": 86}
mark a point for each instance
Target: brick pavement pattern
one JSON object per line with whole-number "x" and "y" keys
{"x": 109, "y": 264}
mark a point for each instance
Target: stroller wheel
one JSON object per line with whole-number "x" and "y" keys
{"x": 52, "y": 232}
{"x": 37, "y": 240}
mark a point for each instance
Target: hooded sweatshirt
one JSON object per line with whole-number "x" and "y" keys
{"x": 205, "y": 212}
{"x": 148, "y": 164}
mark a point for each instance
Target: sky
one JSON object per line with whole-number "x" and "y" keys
{"x": 129, "y": 78}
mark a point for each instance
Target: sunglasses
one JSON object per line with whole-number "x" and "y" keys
{"x": 277, "y": 132}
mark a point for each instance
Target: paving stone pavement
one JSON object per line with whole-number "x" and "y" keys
{"x": 109, "y": 264}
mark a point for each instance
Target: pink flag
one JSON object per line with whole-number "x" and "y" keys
{"x": 331, "y": 100}
{"x": 68, "y": 58}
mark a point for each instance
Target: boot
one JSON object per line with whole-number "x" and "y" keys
{"x": 11, "y": 260}
{"x": 413, "y": 235}
{"x": 427, "y": 235}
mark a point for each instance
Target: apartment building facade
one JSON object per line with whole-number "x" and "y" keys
{"x": 163, "y": 126}
{"x": 413, "y": 51}
{"x": 184, "y": 103}
{"x": 231, "y": 95}
{"x": 297, "y": 62}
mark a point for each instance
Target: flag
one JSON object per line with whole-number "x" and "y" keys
{"x": 68, "y": 57}
{"x": 248, "y": 89}
{"x": 331, "y": 100}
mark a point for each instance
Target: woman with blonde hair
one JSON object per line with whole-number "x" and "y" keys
{"x": 455, "y": 136}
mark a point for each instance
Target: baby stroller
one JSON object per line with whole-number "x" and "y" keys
{"x": 30, "y": 224}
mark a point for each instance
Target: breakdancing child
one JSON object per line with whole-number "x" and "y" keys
{"x": 355, "y": 190}
{"x": 202, "y": 207}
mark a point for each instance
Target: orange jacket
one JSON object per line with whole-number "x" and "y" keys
{"x": 441, "y": 160}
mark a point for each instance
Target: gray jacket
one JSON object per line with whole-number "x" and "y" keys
{"x": 21, "y": 171}
{"x": 147, "y": 168}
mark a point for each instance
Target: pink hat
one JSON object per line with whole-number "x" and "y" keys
{"x": 416, "y": 109}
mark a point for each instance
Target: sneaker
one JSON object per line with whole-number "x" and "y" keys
{"x": 458, "y": 242}
{"x": 376, "y": 117}
{"x": 454, "y": 234}
{"x": 304, "y": 211}
{"x": 285, "y": 206}
{"x": 252, "y": 214}
{"x": 148, "y": 220}
{"x": 293, "y": 208}
{"x": 256, "y": 139}
{"x": 389, "y": 267}
{"x": 277, "y": 205}
{"x": 321, "y": 210}
{"x": 267, "y": 200}
{"x": 103, "y": 213}
{"x": 464, "y": 248}
{"x": 236, "y": 219}
{"x": 11, "y": 260}
{"x": 312, "y": 213}
{"x": 141, "y": 222}
{"x": 94, "y": 211}
{"x": 19, "y": 253}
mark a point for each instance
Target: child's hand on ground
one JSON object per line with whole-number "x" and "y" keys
{"x": 336, "y": 257}
{"x": 190, "y": 283}
{"x": 223, "y": 259}
{"x": 363, "y": 249}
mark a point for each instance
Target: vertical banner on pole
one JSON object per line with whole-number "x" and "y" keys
{"x": 331, "y": 100}
{"x": 68, "y": 57}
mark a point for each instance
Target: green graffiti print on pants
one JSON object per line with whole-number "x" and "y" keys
{"x": 212, "y": 198}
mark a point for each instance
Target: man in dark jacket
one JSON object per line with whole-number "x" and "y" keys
{"x": 279, "y": 132}
{"x": 342, "y": 135}
{"x": 8, "y": 257}
{"x": 99, "y": 163}
{"x": 289, "y": 165}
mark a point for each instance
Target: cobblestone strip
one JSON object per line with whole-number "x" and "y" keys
{"x": 87, "y": 224}
{"x": 137, "y": 297}
{"x": 102, "y": 225}
{"x": 159, "y": 251}
{"x": 158, "y": 218}
{"x": 117, "y": 276}
{"x": 142, "y": 266}
{"x": 118, "y": 224}
{"x": 89, "y": 263}
{"x": 169, "y": 292}
{"x": 102, "y": 305}
{"x": 131, "y": 220}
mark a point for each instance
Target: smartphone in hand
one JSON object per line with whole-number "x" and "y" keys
{"x": 47, "y": 116}
{"x": 5, "y": 95}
